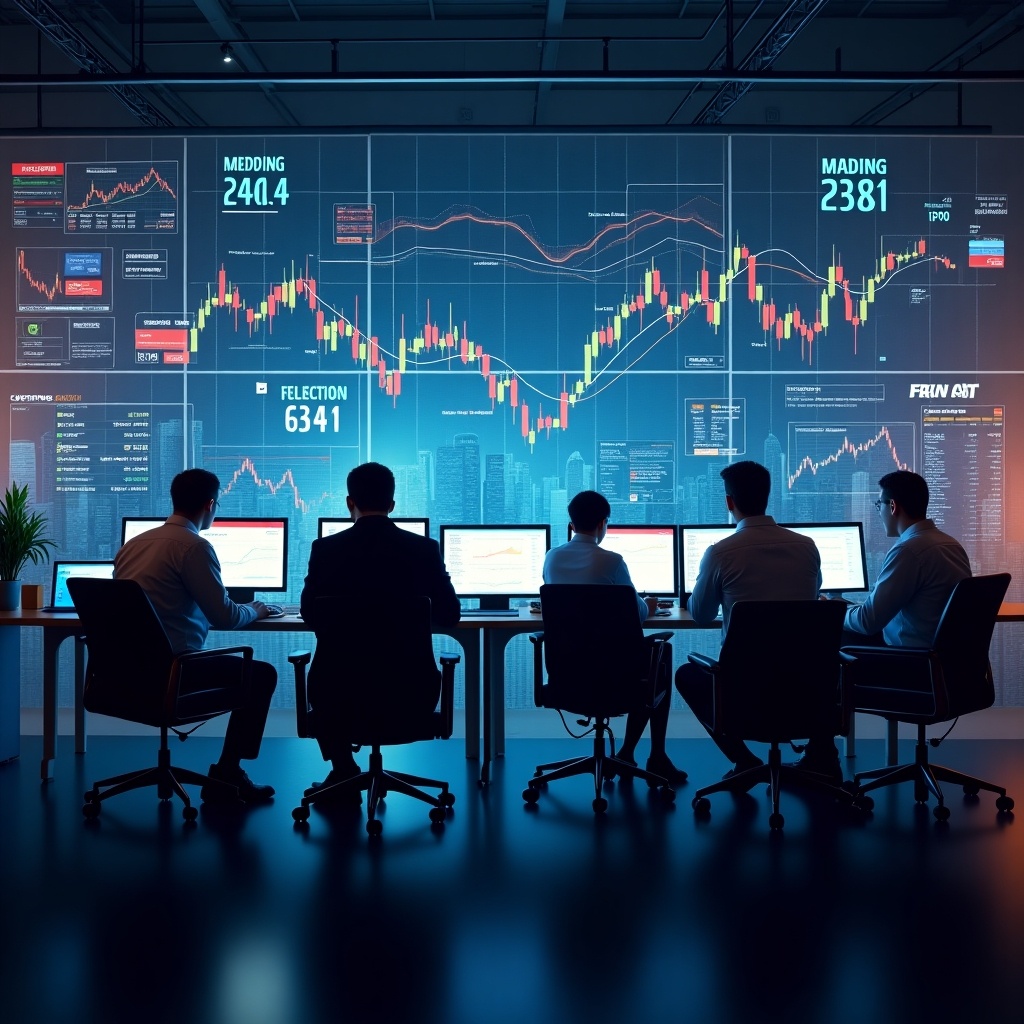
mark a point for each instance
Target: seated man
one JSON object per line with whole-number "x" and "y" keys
{"x": 582, "y": 560}
{"x": 918, "y": 574}
{"x": 383, "y": 564}
{"x": 180, "y": 574}
{"x": 760, "y": 561}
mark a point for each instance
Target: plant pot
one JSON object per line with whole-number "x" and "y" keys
{"x": 10, "y": 595}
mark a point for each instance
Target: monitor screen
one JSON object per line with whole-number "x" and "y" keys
{"x": 494, "y": 563}
{"x": 694, "y": 540}
{"x": 132, "y": 526}
{"x": 650, "y": 554}
{"x": 328, "y": 527}
{"x": 844, "y": 566}
{"x": 252, "y": 550}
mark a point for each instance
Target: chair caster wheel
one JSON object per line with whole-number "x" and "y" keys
{"x": 600, "y": 805}
{"x": 865, "y": 803}
{"x": 776, "y": 821}
{"x": 301, "y": 813}
{"x": 91, "y": 809}
{"x": 971, "y": 790}
{"x": 90, "y": 795}
{"x": 1004, "y": 803}
{"x": 190, "y": 813}
{"x": 701, "y": 806}
{"x": 374, "y": 827}
{"x": 530, "y": 795}
{"x": 436, "y": 815}
{"x": 668, "y": 795}
{"x": 941, "y": 812}
{"x": 447, "y": 799}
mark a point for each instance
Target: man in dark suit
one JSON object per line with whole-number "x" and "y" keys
{"x": 382, "y": 564}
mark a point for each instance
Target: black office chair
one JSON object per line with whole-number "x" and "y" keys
{"x": 133, "y": 674}
{"x": 376, "y": 661}
{"x": 938, "y": 684}
{"x": 778, "y": 679}
{"x": 599, "y": 665}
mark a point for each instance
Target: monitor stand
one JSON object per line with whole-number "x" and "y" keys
{"x": 242, "y": 595}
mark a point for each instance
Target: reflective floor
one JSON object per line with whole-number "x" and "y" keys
{"x": 507, "y": 914}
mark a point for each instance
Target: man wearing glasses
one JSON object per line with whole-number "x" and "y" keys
{"x": 918, "y": 574}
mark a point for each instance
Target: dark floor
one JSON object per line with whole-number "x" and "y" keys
{"x": 551, "y": 915}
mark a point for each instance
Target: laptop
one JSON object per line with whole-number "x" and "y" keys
{"x": 60, "y": 599}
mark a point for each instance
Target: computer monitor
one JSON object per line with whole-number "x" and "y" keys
{"x": 252, "y": 550}
{"x": 328, "y": 526}
{"x": 844, "y": 565}
{"x": 495, "y": 563}
{"x": 694, "y": 540}
{"x": 132, "y": 526}
{"x": 650, "y": 553}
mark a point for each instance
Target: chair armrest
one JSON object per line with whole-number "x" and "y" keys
{"x": 299, "y": 660}
{"x": 659, "y": 637}
{"x": 884, "y": 652}
{"x": 703, "y": 661}
{"x": 179, "y": 673}
{"x": 537, "y": 639}
{"x": 919, "y": 671}
{"x": 447, "y": 706}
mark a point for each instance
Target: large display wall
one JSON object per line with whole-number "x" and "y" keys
{"x": 508, "y": 318}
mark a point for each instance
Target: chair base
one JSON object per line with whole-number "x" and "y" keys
{"x": 926, "y": 778}
{"x": 602, "y": 766}
{"x": 377, "y": 783}
{"x": 776, "y": 775}
{"x": 169, "y": 781}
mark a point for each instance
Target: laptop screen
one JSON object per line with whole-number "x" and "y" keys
{"x": 60, "y": 599}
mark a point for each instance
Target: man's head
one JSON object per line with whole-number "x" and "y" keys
{"x": 902, "y": 500}
{"x": 588, "y": 510}
{"x": 194, "y": 496}
{"x": 747, "y": 486}
{"x": 371, "y": 490}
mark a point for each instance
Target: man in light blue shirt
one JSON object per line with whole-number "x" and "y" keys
{"x": 918, "y": 574}
{"x": 760, "y": 561}
{"x": 583, "y": 560}
{"x": 179, "y": 571}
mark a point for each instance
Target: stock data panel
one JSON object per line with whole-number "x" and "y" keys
{"x": 507, "y": 319}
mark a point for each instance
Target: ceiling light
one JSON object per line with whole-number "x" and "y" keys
{"x": 227, "y": 52}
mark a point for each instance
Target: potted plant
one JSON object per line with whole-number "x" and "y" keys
{"x": 22, "y": 540}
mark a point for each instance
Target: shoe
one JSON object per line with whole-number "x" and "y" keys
{"x": 830, "y": 768}
{"x": 739, "y": 769}
{"x": 661, "y": 764}
{"x": 249, "y": 792}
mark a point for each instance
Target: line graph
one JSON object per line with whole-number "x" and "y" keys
{"x": 269, "y": 477}
{"x": 825, "y": 455}
{"x": 56, "y": 279}
{"x": 645, "y": 319}
{"x": 121, "y": 196}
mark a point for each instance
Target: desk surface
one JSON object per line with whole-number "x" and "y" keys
{"x": 678, "y": 618}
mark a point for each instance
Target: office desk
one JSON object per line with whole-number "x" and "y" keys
{"x": 56, "y": 629}
{"x": 492, "y": 633}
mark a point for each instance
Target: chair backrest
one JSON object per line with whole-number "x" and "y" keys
{"x": 130, "y": 656}
{"x": 779, "y": 670}
{"x": 382, "y": 666}
{"x": 594, "y": 649}
{"x": 962, "y": 640}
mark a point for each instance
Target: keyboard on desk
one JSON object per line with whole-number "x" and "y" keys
{"x": 490, "y": 613}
